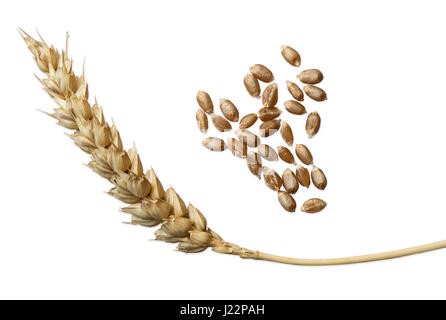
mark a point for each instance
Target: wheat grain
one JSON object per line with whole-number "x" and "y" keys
{"x": 266, "y": 114}
{"x": 248, "y": 138}
{"x": 214, "y": 144}
{"x": 313, "y": 124}
{"x": 304, "y": 154}
{"x": 294, "y": 107}
{"x": 247, "y": 121}
{"x": 303, "y": 176}
{"x": 268, "y": 128}
{"x": 187, "y": 227}
{"x": 315, "y": 93}
{"x": 291, "y": 56}
{"x": 267, "y": 153}
{"x": 270, "y": 96}
{"x": 287, "y": 201}
{"x": 220, "y": 123}
{"x": 202, "y": 121}
{"x": 229, "y": 110}
{"x": 290, "y": 182}
{"x": 252, "y": 85}
{"x": 318, "y": 177}
{"x": 313, "y": 205}
{"x": 285, "y": 154}
{"x": 262, "y": 73}
{"x": 311, "y": 76}
{"x": 287, "y": 133}
{"x": 205, "y": 102}
{"x": 272, "y": 179}
{"x": 238, "y": 148}
{"x": 254, "y": 162}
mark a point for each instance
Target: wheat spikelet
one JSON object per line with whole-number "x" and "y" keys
{"x": 148, "y": 203}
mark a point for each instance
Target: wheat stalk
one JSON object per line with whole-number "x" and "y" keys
{"x": 148, "y": 203}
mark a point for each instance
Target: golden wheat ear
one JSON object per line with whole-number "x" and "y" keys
{"x": 148, "y": 203}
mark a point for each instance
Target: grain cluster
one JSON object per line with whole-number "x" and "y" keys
{"x": 268, "y": 119}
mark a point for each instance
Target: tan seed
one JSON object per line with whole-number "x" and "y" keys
{"x": 304, "y": 154}
{"x": 267, "y": 152}
{"x": 202, "y": 121}
{"x": 318, "y": 177}
{"x": 205, "y": 102}
{"x": 254, "y": 162}
{"x": 262, "y": 73}
{"x": 237, "y": 148}
{"x": 287, "y": 201}
{"x": 270, "y": 95}
{"x": 268, "y": 128}
{"x": 248, "y": 138}
{"x": 313, "y": 205}
{"x": 294, "y": 107}
{"x": 252, "y": 85}
{"x": 303, "y": 176}
{"x": 311, "y": 76}
{"x": 287, "y": 133}
{"x": 220, "y": 123}
{"x": 313, "y": 124}
{"x": 290, "y": 182}
{"x": 295, "y": 91}
{"x": 266, "y": 114}
{"x": 247, "y": 121}
{"x": 272, "y": 179}
{"x": 285, "y": 154}
{"x": 291, "y": 56}
{"x": 229, "y": 110}
{"x": 315, "y": 93}
{"x": 214, "y": 144}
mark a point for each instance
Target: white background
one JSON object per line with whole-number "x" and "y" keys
{"x": 381, "y": 145}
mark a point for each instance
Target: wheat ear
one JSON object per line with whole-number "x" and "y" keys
{"x": 149, "y": 204}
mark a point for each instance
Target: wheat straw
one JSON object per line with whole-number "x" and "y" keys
{"x": 149, "y": 204}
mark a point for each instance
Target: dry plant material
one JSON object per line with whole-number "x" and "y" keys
{"x": 315, "y": 93}
{"x": 303, "y": 176}
{"x": 262, "y": 73}
{"x": 202, "y": 121}
{"x": 313, "y": 205}
{"x": 311, "y": 76}
{"x": 247, "y": 121}
{"x": 272, "y": 179}
{"x": 294, "y": 107}
{"x": 220, "y": 123}
{"x": 237, "y": 148}
{"x": 248, "y": 138}
{"x": 229, "y": 110}
{"x": 254, "y": 162}
{"x": 291, "y": 56}
{"x": 304, "y": 154}
{"x": 270, "y": 96}
{"x": 285, "y": 154}
{"x": 267, "y": 153}
{"x": 313, "y": 124}
{"x": 150, "y": 206}
{"x": 252, "y": 85}
{"x": 287, "y": 133}
{"x": 214, "y": 144}
{"x": 205, "y": 102}
{"x": 266, "y": 114}
{"x": 290, "y": 182}
{"x": 295, "y": 91}
{"x": 318, "y": 177}
{"x": 287, "y": 201}
{"x": 268, "y": 128}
